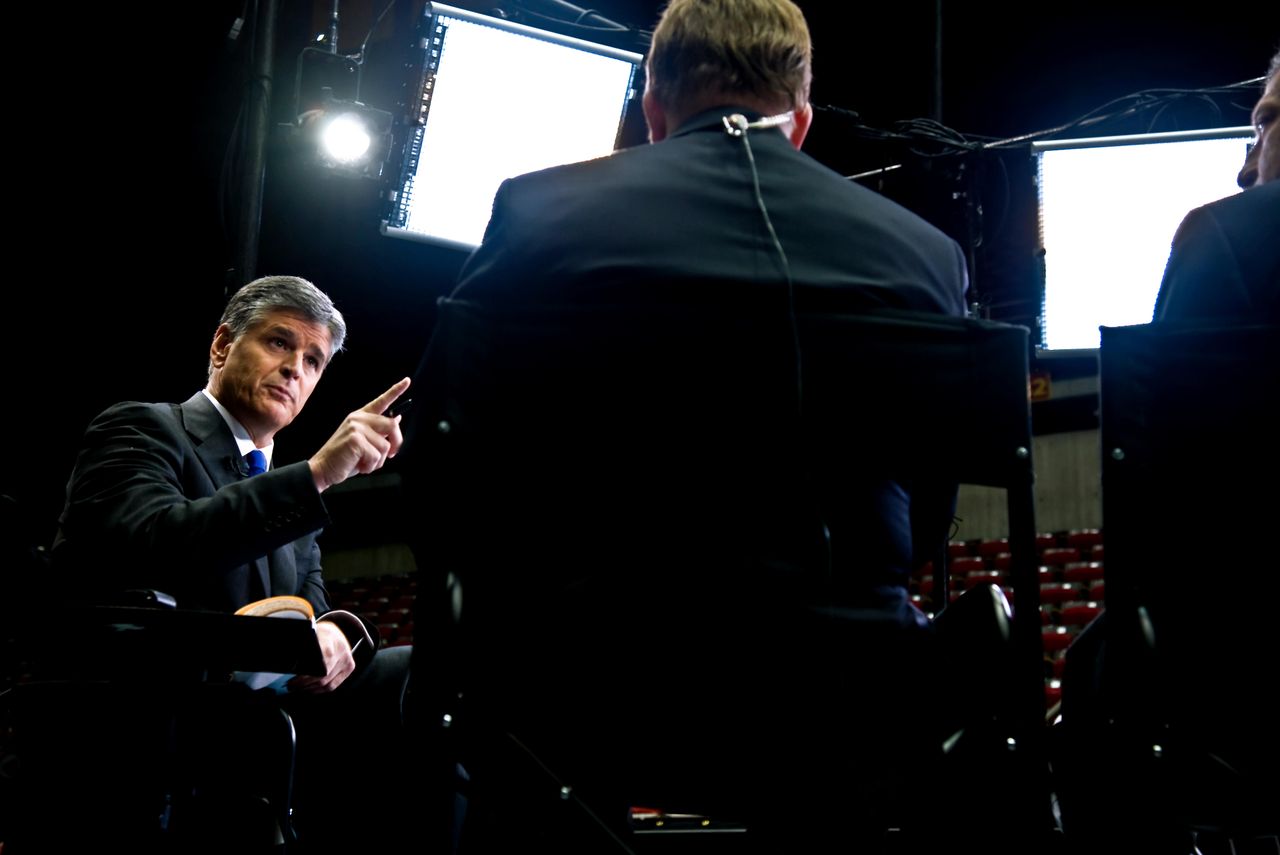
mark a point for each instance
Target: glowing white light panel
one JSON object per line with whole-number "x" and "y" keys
{"x": 1108, "y": 212}
{"x": 506, "y": 103}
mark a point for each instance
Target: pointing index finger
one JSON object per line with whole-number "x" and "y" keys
{"x": 379, "y": 404}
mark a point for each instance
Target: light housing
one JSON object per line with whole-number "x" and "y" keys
{"x": 349, "y": 137}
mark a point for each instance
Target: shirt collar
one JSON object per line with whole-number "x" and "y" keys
{"x": 713, "y": 119}
{"x": 244, "y": 442}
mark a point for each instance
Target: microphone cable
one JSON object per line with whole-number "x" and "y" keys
{"x": 737, "y": 125}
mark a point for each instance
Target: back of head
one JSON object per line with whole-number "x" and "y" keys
{"x": 251, "y": 304}
{"x": 753, "y": 53}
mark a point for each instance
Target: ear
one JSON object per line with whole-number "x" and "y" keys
{"x": 800, "y": 125}
{"x": 655, "y": 117}
{"x": 221, "y": 346}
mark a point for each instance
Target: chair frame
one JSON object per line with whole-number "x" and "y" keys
{"x": 1187, "y": 438}
{"x": 949, "y": 401}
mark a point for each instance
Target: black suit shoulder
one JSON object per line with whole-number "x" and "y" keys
{"x": 687, "y": 209}
{"x": 1224, "y": 264}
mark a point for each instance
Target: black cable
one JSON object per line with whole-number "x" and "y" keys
{"x": 786, "y": 269}
{"x": 567, "y": 793}
{"x": 915, "y": 133}
{"x": 359, "y": 54}
{"x": 1145, "y": 99}
{"x": 741, "y": 128}
{"x": 577, "y": 23}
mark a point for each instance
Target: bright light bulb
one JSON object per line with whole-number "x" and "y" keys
{"x": 345, "y": 139}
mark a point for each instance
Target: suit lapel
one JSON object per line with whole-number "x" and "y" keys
{"x": 212, "y": 440}
{"x": 216, "y": 447}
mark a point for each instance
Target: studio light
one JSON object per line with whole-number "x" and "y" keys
{"x": 344, "y": 139}
{"x": 349, "y": 137}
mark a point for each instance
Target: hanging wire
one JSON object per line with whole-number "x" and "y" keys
{"x": 359, "y": 55}
{"x": 928, "y": 138}
{"x": 603, "y": 25}
{"x": 1132, "y": 105}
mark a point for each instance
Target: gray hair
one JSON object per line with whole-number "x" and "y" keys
{"x": 252, "y": 303}
{"x": 1273, "y": 70}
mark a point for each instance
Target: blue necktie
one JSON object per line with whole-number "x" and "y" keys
{"x": 257, "y": 462}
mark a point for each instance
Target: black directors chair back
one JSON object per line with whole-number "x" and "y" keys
{"x": 647, "y": 513}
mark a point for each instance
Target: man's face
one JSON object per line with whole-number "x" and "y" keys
{"x": 265, "y": 376}
{"x": 1266, "y": 121}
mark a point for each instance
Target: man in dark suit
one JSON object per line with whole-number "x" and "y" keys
{"x": 160, "y": 497}
{"x": 1185, "y": 666}
{"x": 686, "y": 208}
{"x": 690, "y": 546}
{"x": 724, "y": 210}
{"x": 159, "y": 491}
{"x": 1225, "y": 262}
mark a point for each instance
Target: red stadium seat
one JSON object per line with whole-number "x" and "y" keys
{"x": 989, "y": 548}
{"x": 967, "y": 564}
{"x": 1057, "y": 638}
{"x": 983, "y": 577}
{"x": 1059, "y": 592}
{"x": 1082, "y": 571}
{"x": 1084, "y": 537}
{"x": 1052, "y": 692}
{"x": 1078, "y": 613}
{"x": 1060, "y": 555}
{"x": 400, "y": 616}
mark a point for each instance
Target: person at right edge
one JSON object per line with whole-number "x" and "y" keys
{"x": 1185, "y": 663}
{"x": 1225, "y": 262}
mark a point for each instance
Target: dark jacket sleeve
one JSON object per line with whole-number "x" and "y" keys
{"x": 143, "y": 511}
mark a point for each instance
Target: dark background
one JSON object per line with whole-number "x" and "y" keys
{"x": 126, "y": 203}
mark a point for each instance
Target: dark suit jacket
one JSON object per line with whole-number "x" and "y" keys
{"x": 1225, "y": 262}
{"x": 679, "y": 223}
{"x": 158, "y": 499}
{"x": 609, "y": 587}
{"x": 685, "y": 210}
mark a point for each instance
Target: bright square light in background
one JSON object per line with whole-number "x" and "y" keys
{"x": 1109, "y": 207}
{"x": 501, "y": 99}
